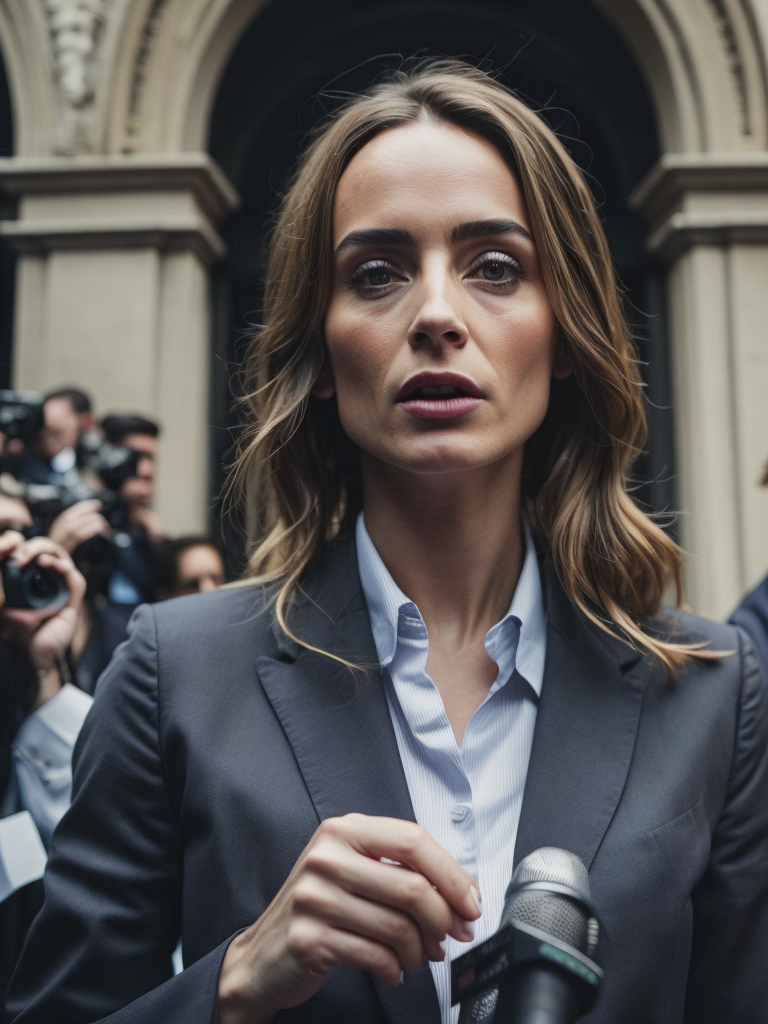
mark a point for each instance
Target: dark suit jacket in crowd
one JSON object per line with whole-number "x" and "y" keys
{"x": 216, "y": 745}
{"x": 752, "y": 616}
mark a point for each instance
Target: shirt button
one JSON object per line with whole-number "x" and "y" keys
{"x": 459, "y": 812}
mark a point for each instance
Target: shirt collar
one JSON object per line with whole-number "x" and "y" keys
{"x": 386, "y": 602}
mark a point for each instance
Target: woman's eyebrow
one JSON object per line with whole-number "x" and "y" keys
{"x": 461, "y": 233}
{"x": 483, "y": 228}
{"x": 375, "y": 236}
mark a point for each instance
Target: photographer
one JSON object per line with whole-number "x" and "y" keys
{"x": 133, "y": 583}
{"x": 40, "y": 711}
{"x": 50, "y": 455}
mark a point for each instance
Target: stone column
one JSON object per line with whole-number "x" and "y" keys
{"x": 113, "y": 295}
{"x": 709, "y": 218}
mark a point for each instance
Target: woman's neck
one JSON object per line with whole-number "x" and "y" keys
{"x": 454, "y": 546}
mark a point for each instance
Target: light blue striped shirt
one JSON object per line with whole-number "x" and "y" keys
{"x": 467, "y": 797}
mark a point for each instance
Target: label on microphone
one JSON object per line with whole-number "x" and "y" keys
{"x": 560, "y": 956}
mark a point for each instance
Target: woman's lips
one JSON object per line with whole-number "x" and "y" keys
{"x": 439, "y": 395}
{"x": 441, "y": 408}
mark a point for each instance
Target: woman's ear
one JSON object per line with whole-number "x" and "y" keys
{"x": 561, "y": 365}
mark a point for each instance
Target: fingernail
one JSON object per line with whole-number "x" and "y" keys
{"x": 402, "y": 977}
{"x": 467, "y": 931}
{"x": 477, "y": 898}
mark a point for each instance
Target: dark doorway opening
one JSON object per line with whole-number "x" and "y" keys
{"x": 298, "y": 58}
{"x": 7, "y": 261}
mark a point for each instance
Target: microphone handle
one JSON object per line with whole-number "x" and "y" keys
{"x": 536, "y": 994}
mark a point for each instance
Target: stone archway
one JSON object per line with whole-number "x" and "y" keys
{"x": 127, "y": 116}
{"x": 704, "y": 203}
{"x": 702, "y": 61}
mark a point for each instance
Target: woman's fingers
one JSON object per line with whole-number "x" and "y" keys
{"x": 378, "y": 894}
{"x": 402, "y": 889}
{"x": 410, "y": 846}
{"x": 316, "y": 898}
{"x": 322, "y": 948}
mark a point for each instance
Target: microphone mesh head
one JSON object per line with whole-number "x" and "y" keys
{"x": 560, "y": 916}
{"x": 549, "y": 864}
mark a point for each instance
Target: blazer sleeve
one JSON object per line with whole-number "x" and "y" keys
{"x": 728, "y": 979}
{"x": 101, "y": 947}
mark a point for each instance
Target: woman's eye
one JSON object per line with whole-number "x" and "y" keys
{"x": 373, "y": 276}
{"x": 497, "y": 268}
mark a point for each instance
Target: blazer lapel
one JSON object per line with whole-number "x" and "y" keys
{"x": 338, "y": 724}
{"x": 585, "y": 732}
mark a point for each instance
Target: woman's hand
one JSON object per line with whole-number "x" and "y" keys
{"x": 346, "y": 903}
{"x": 46, "y": 633}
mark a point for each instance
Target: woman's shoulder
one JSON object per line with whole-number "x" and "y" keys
{"x": 685, "y": 627}
{"x": 223, "y": 613}
{"x": 729, "y": 654}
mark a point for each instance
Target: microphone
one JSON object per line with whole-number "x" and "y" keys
{"x": 537, "y": 968}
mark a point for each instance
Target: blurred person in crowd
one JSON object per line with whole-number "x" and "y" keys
{"x": 138, "y": 434}
{"x": 109, "y": 531}
{"x": 51, "y": 455}
{"x": 187, "y": 565}
{"x": 121, "y": 576}
{"x": 752, "y": 613}
{"x": 41, "y": 712}
{"x": 133, "y": 581}
{"x": 100, "y": 626}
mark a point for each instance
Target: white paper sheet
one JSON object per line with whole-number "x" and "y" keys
{"x": 22, "y": 854}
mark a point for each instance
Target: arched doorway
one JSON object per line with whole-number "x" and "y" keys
{"x": 561, "y": 55}
{"x": 6, "y": 257}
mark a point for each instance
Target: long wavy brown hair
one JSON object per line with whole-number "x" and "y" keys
{"x": 297, "y": 471}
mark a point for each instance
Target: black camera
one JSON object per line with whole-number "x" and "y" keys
{"x": 97, "y": 557}
{"x": 33, "y": 586}
{"x": 21, "y": 413}
{"x": 112, "y": 463}
{"x": 46, "y": 501}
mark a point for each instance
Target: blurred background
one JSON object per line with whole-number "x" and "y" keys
{"x": 144, "y": 145}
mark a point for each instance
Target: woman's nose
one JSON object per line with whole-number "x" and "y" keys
{"x": 438, "y": 319}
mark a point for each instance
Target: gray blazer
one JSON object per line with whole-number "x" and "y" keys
{"x": 216, "y": 745}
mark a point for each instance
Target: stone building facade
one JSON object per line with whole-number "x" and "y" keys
{"x": 147, "y": 139}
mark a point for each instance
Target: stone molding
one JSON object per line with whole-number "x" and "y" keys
{"x": 664, "y": 198}
{"x": 163, "y": 233}
{"x": 149, "y": 34}
{"x": 733, "y": 55}
{"x": 705, "y": 68}
{"x": 194, "y": 174}
{"x": 197, "y": 173}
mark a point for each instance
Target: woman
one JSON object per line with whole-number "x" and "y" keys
{"x": 445, "y": 409}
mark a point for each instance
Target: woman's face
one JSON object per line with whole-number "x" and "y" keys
{"x": 440, "y": 336}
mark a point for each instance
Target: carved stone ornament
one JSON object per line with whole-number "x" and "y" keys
{"x": 74, "y": 26}
{"x": 735, "y": 65}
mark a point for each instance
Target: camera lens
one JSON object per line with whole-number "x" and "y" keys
{"x": 33, "y": 586}
{"x": 41, "y": 586}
